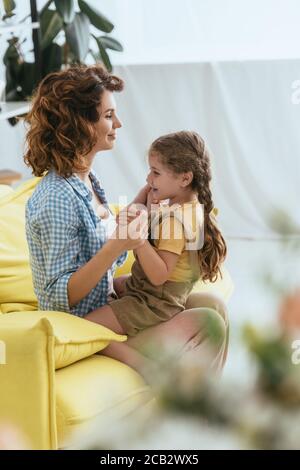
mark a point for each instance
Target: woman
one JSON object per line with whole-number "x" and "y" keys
{"x": 73, "y": 117}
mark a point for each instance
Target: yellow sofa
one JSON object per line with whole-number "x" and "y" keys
{"x": 52, "y": 381}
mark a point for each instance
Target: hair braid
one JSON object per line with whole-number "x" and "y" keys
{"x": 214, "y": 249}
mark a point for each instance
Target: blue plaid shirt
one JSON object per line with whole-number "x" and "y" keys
{"x": 64, "y": 233}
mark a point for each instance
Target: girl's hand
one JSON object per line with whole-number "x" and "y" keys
{"x": 152, "y": 201}
{"x": 139, "y": 202}
{"x": 141, "y": 197}
{"x": 132, "y": 229}
{"x": 129, "y": 213}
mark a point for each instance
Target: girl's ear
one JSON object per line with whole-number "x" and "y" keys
{"x": 187, "y": 178}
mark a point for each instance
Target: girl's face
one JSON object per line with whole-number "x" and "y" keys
{"x": 108, "y": 123}
{"x": 164, "y": 183}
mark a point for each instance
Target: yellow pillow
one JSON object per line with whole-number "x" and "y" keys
{"x": 126, "y": 267}
{"x": 15, "y": 274}
{"x": 223, "y": 287}
{"x": 5, "y": 190}
{"x": 74, "y": 338}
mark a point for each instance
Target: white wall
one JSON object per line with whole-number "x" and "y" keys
{"x": 176, "y": 30}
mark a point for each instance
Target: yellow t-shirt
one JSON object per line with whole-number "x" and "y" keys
{"x": 178, "y": 229}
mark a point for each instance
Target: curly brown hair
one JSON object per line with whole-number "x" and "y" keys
{"x": 61, "y": 121}
{"x": 182, "y": 152}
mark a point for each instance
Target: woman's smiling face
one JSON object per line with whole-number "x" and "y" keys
{"x": 108, "y": 123}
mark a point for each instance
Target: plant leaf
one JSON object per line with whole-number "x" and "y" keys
{"x": 66, "y": 10}
{"x": 28, "y": 78}
{"x": 50, "y": 25}
{"x": 104, "y": 55}
{"x": 110, "y": 43}
{"x": 45, "y": 7}
{"x": 9, "y": 15}
{"x": 96, "y": 18}
{"x": 11, "y": 53}
{"x": 11, "y": 78}
{"x": 14, "y": 95}
{"x": 9, "y": 6}
{"x": 23, "y": 87}
{"x": 12, "y": 61}
{"x": 51, "y": 58}
{"x": 78, "y": 36}
{"x": 96, "y": 55}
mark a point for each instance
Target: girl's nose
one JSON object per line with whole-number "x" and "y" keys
{"x": 148, "y": 179}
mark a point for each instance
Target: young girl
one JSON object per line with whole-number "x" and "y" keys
{"x": 176, "y": 254}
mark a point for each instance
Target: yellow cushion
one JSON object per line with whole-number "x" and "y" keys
{"x": 98, "y": 388}
{"x": 33, "y": 394}
{"x": 126, "y": 267}
{"x": 16, "y": 288}
{"x": 27, "y": 381}
{"x": 223, "y": 287}
{"x": 5, "y": 190}
{"x": 74, "y": 337}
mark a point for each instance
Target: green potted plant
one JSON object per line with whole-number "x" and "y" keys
{"x": 67, "y": 29}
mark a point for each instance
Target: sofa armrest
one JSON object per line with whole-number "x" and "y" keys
{"x": 27, "y": 396}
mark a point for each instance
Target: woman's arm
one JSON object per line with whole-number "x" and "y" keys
{"x": 157, "y": 265}
{"x": 87, "y": 277}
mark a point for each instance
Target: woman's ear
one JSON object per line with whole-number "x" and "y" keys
{"x": 187, "y": 178}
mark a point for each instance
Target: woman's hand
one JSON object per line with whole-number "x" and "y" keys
{"x": 129, "y": 213}
{"x": 132, "y": 229}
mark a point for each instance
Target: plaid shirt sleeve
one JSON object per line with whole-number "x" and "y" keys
{"x": 58, "y": 226}
{"x": 122, "y": 258}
